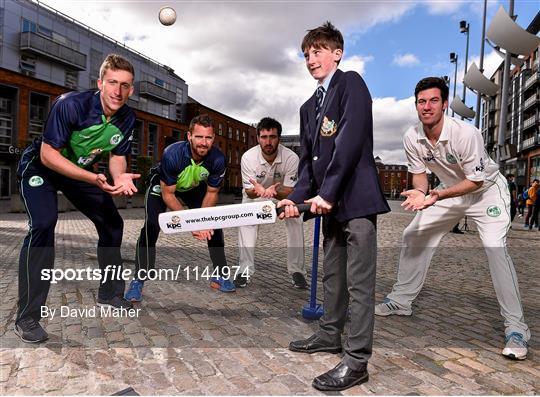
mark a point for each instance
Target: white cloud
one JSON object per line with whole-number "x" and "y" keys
{"x": 438, "y": 7}
{"x": 243, "y": 58}
{"x": 391, "y": 118}
{"x": 405, "y": 60}
{"x": 491, "y": 62}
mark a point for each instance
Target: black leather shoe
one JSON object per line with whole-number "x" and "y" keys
{"x": 313, "y": 344}
{"x": 299, "y": 281}
{"x": 340, "y": 377}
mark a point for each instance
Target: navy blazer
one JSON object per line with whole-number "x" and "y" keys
{"x": 336, "y": 158}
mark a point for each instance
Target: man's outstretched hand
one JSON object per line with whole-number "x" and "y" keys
{"x": 416, "y": 200}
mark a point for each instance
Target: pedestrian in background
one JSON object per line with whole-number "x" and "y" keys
{"x": 512, "y": 188}
{"x": 531, "y": 199}
{"x": 536, "y": 208}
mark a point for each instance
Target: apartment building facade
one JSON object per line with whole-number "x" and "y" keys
{"x": 44, "y": 53}
{"x": 520, "y": 154}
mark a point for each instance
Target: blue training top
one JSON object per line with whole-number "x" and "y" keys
{"x": 177, "y": 167}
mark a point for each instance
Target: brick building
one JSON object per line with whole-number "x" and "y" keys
{"x": 395, "y": 178}
{"x": 233, "y": 137}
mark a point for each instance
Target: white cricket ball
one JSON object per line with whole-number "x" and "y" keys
{"x": 167, "y": 16}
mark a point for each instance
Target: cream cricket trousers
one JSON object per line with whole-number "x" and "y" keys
{"x": 490, "y": 211}
{"x": 247, "y": 238}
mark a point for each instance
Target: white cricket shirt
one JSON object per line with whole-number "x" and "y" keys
{"x": 284, "y": 168}
{"x": 459, "y": 154}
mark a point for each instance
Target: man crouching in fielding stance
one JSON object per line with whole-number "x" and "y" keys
{"x": 81, "y": 128}
{"x": 193, "y": 172}
{"x": 338, "y": 176}
{"x": 473, "y": 187}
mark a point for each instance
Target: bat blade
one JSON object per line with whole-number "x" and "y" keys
{"x": 224, "y": 216}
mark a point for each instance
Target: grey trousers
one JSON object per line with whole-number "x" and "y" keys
{"x": 350, "y": 256}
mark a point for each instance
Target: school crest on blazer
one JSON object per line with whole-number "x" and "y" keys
{"x": 328, "y": 127}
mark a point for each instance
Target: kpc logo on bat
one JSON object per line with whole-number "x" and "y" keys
{"x": 266, "y": 213}
{"x": 174, "y": 223}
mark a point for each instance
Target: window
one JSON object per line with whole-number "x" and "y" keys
{"x": 152, "y": 140}
{"x": 229, "y": 155}
{"x": 135, "y": 144}
{"x": 39, "y": 105}
{"x": 179, "y": 95}
{"x": 177, "y": 134}
{"x": 237, "y": 159}
{"x": 5, "y": 179}
{"x": 165, "y": 111}
{"x": 72, "y": 79}
{"x": 229, "y": 134}
{"x": 179, "y": 112}
{"x": 6, "y": 121}
{"x": 237, "y": 134}
{"x": 45, "y": 31}
{"x": 244, "y": 136}
{"x": 220, "y": 129}
{"x": 27, "y": 65}
{"x": 96, "y": 58}
{"x": 29, "y": 26}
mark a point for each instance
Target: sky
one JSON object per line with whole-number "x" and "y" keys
{"x": 243, "y": 59}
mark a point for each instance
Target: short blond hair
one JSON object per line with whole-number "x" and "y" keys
{"x": 115, "y": 62}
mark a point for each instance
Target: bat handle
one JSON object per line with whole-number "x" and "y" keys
{"x": 301, "y": 208}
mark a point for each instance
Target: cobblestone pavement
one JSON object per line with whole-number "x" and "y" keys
{"x": 190, "y": 339}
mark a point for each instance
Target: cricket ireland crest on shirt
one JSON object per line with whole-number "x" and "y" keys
{"x": 451, "y": 158}
{"x": 88, "y": 145}
{"x": 156, "y": 190}
{"x": 35, "y": 181}
{"x": 493, "y": 211}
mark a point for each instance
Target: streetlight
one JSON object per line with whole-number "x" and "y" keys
{"x": 454, "y": 59}
{"x": 447, "y": 82}
{"x": 464, "y": 28}
{"x": 479, "y": 95}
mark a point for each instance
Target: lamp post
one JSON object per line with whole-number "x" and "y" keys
{"x": 481, "y": 68}
{"x": 504, "y": 94}
{"x": 447, "y": 81}
{"x": 454, "y": 59}
{"x": 464, "y": 28}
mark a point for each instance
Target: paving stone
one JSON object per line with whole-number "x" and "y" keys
{"x": 138, "y": 340}
{"x": 192, "y": 340}
{"x": 476, "y": 365}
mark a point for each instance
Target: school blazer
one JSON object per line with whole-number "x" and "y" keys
{"x": 336, "y": 158}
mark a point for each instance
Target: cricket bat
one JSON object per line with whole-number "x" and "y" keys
{"x": 225, "y": 216}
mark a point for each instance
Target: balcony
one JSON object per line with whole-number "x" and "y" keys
{"x": 149, "y": 89}
{"x": 41, "y": 45}
{"x": 530, "y": 81}
{"x": 530, "y": 122}
{"x": 530, "y": 142}
{"x": 529, "y": 102}
{"x": 493, "y": 109}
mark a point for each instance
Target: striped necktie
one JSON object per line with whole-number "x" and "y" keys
{"x": 319, "y": 95}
